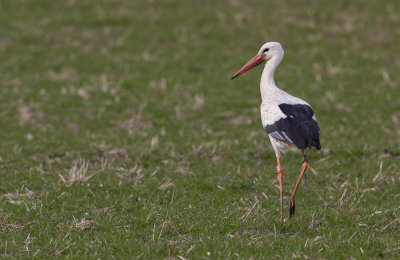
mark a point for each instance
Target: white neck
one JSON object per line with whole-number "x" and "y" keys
{"x": 267, "y": 83}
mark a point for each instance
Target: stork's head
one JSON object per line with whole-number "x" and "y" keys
{"x": 267, "y": 51}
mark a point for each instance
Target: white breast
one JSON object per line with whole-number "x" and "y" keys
{"x": 270, "y": 111}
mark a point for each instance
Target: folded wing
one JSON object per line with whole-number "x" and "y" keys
{"x": 299, "y": 127}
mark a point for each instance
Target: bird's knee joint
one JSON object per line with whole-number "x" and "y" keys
{"x": 305, "y": 164}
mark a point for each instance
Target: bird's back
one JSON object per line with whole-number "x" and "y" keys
{"x": 290, "y": 119}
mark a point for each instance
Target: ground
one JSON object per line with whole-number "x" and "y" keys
{"x": 122, "y": 135}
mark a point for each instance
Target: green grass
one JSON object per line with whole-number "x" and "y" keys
{"x": 136, "y": 95}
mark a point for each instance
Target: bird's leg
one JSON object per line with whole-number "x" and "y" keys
{"x": 303, "y": 170}
{"x": 280, "y": 178}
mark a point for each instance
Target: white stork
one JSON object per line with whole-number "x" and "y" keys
{"x": 288, "y": 120}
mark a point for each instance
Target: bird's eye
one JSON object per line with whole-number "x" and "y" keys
{"x": 266, "y": 50}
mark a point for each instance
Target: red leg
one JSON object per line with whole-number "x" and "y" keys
{"x": 303, "y": 170}
{"x": 280, "y": 178}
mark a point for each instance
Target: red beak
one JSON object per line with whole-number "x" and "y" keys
{"x": 257, "y": 60}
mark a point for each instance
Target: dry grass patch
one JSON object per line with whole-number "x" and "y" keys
{"x": 81, "y": 172}
{"x": 20, "y": 197}
{"x": 84, "y": 224}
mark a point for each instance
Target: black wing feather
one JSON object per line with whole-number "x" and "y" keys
{"x": 298, "y": 126}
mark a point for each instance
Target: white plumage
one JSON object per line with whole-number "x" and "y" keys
{"x": 271, "y": 113}
{"x": 288, "y": 120}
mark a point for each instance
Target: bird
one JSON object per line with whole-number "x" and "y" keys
{"x": 289, "y": 121}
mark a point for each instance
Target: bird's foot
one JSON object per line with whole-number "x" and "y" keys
{"x": 291, "y": 207}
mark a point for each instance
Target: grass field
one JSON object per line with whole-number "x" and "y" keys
{"x": 122, "y": 135}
